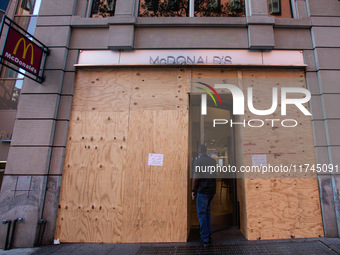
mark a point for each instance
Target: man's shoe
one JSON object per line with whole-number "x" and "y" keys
{"x": 210, "y": 239}
{"x": 204, "y": 244}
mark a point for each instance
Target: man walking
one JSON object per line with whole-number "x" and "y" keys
{"x": 203, "y": 189}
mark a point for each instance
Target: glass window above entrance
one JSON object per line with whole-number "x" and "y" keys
{"x": 103, "y": 8}
{"x": 164, "y": 8}
{"x": 191, "y": 8}
{"x": 219, "y": 8}
{"x": 281, "y": 8}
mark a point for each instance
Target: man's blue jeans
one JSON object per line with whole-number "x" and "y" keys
{"x": 203, "y": 211}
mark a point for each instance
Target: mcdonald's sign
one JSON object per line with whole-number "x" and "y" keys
{"x": 23, "y": 50}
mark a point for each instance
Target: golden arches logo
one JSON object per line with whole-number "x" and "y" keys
{"x": 25, "y": 49}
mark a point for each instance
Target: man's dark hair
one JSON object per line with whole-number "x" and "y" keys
{"x": 202, "y": 149}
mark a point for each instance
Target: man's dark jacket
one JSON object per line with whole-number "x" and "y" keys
{"x": 204, "y": 185}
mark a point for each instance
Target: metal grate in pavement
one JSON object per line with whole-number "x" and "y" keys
{"x": 311, "y": 248}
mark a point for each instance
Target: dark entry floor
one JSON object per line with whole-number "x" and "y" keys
{"x": 227, "y": 235}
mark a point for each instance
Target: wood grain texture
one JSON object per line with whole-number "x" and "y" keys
{"x": 119, "y": 116}
{"x": 109, "y": 193}
{"x": 155, "y": 198}
{"x": 281, "y": 145}
{"x": 283, "y": 208}
{"x": 276, "y": 207}
{"x": 157, "y": 90}
{"x": 280, "y": 207}
{"x": 90, "y": 204}
{"x": 103, "y": 90}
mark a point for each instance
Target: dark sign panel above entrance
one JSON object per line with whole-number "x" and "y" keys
{"x": 22, "y": 52}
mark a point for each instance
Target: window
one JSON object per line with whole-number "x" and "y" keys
{"x": 219, "y": 8}
{"x": 164, "y": 8}
{"x": 27, "y": 5}
{"x": 191, "y": 8}
{"x": 3, "y": 5}
{"x": 103, "y": 8}
{"x": 280, "y": 8}
{"x": 9, "y": 90}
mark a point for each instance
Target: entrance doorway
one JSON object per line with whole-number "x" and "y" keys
{"x": 221, "y": 146}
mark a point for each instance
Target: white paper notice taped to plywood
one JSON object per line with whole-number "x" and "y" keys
{"x": 155, "y": 159}
{"x": 259, "y": 160}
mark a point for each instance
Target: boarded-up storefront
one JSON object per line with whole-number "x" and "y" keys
{"x": 111, "y": 193}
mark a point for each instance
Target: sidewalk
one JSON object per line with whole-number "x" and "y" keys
{"x": 225, "y": 241}
{"x": 315, "y": 246}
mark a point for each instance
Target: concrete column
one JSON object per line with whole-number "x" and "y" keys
{"x": 125, "y": 7}
{"x": 258, "y": 8}
{"x": 39, "y": 137}
{"x": 323, "y": 8}
{"x": 326, "y": 37}
{"x": 82, "y": 8}
{"x": 301, "y": 9}
{"x": 260, "y": 25}
{"x": 121, "y": 37}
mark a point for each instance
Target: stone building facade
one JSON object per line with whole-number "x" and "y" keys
{"x": 35, "y": 161}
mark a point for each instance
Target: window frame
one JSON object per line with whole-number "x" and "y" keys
{"x": 90, "y": 8}
{"x": 191, "y": 8}
{"x": 293, "y": 8}
{"x": 191, "y": 4}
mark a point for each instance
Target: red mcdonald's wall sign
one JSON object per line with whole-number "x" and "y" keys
{"x": 22, "y": 50}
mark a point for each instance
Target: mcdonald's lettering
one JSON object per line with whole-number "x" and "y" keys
{"x": 20, "y": 63}
{"x": 22, "y": 52}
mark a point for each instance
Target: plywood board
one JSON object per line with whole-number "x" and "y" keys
{"x": 90, "y": 204}
{"x": 109, "y": 193}
{"x": 154, "y": 196}
{"x": 283, "y": 208}
{"x": 280, "y": 207}
{"x": 163, "y": 90}
{"x": 103, "y": 90}
{"x": 281, "y": 145}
